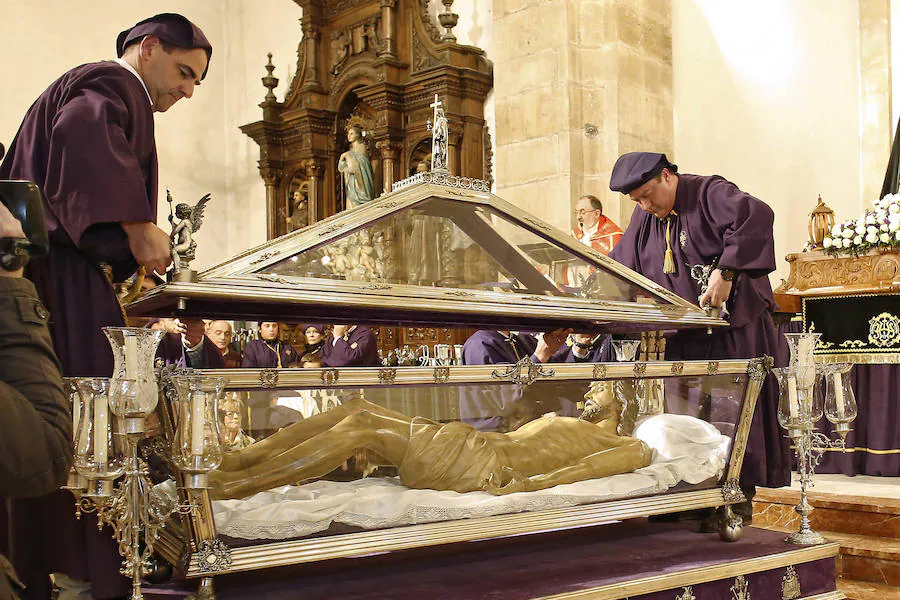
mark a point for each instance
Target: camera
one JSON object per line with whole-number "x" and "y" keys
{"x": 25, "y": 201}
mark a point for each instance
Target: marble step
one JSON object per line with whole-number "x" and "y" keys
{"x": 864, "y": 590}
{"x": 843, "y": 513}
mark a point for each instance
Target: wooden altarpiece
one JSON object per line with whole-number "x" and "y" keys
{"x": 376, "y": 64}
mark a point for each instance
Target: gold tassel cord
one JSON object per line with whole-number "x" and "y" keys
{"x": 669, "y": 264}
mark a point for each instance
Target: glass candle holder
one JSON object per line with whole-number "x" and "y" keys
{"x": 197, "y": 448}
{"x": 626, "y": 350}
{"x": 802, "y": 346}
{"x": 76, "y": 482}
{"x": 799, "y": 406}
{"x": 840, "y": 401}
{"x": 97, "y": 457}
{"x": 134, "y": 353}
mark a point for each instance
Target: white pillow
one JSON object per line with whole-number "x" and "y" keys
{"x": 673, "y": 436}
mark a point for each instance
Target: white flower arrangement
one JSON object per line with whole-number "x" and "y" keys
{"x": 878, "y": 227}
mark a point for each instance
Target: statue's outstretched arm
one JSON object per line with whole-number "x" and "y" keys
{"x": 626, "y": 455}
{"x": 317, "y": 456}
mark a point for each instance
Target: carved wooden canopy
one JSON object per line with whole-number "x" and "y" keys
{"x": 376, "y": 64}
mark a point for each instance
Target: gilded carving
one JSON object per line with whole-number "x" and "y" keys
{"x": 809, "y": 270}
{"x": 790, "y": 584}
{"x": 264, "y": 257}
{"x": 268, "y": 378}
{"x": 712, "y": 367}
{"x": 441, "y": 374}
{"x": 330, "y": 376}
{"x": 687, "y": 594}
{"x": 741, "y": 588}
{"x": 387, "y": 375}
{"x": 884, "y": 330}
{"x": 640, "y": 369}
{"x": 759, "y": 367}
{"x": 731, "y": 492}
{"x": 677, "y": 368}
{"x": 213, "y": 555}
{"x": 599, "y": 371}
{"x": 524, "y": 372}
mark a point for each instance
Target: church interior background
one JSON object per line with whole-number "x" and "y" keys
{"x": 791, "y": 100}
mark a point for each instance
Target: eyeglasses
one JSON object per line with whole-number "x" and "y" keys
{"x": 581, "y": 211}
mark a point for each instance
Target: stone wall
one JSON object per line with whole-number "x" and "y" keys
{"x": 577, "y": 83}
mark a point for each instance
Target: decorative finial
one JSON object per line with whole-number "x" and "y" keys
{"x": 448, "y": 20}
{"x": 270, "y": 81}
{"x": 439, "y": 137}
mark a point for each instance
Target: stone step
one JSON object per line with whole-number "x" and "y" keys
{"x": 864, "y": 590}
{"x": 863, "y": 558}
{"x": 843, "y": 513}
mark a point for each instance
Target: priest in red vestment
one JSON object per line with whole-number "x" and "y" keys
{"x": 595, "y": 229}
{"x": 88, "y": 142}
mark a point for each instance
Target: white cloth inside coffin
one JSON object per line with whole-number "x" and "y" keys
{"x": 684, "y": 449}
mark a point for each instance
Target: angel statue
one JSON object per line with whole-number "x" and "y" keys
{"x": 185, "y": 221}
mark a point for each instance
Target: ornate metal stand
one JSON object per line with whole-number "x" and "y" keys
{"x": 136, "y": 513}
{"x": 810, "y": 446}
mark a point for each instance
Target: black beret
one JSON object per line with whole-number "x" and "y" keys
{"x": 634, "y": 169}
{"x": 171, "y": 28}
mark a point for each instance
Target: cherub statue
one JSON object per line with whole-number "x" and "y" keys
{"x": 189, "y": 220}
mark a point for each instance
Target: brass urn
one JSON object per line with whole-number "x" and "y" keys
{"x": 821, "y": 220}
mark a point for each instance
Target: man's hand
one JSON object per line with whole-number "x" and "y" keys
{"x": 718, "y": 291}
{"x": 10, "y": 228}
{"x": 339, "y": 330}
{"x": 550, "y": 343}
{"x": 150, "y": 246}
{"x": 193, "y": 331}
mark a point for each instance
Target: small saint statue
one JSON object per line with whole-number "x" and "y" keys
{"x": 185, "y": 221}
{"x": 299, "y": 216}
{"x": 438, "y": 129}
{"x": 356, "y": 169}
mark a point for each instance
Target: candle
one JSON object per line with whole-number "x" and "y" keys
{"x": 839, "y": 395}
{"x": 131, "y": 357}
{"x": 101, "y": 429}
{"x": 793, "y": 401}
{"x": 198, "y": 404}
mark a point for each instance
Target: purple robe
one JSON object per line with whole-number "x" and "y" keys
{"x": 260, "y": 354}
{"x": 359, "y": 349}
{"x": 206, "y": 356}
{"x": 714, "y": 220}
{"x": 506, "y": 407}
{"x": 88, "y": 142}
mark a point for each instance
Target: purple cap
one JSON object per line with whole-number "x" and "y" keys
{"x": 634, "y": 169}
{"x": 171, "y": 28}
{"x": 318, "y": 326}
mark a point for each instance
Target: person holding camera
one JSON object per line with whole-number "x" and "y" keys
{"x": 88, "y": 142}
{"x": 36, "y": 430}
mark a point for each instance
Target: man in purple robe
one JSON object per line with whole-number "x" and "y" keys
{"x": 682, "y": 221}
{"x": 351, "y": 346}
{"x": 88, "y": 142}
{"x": 507, "y": 407}
{"x": 268, "y": 352}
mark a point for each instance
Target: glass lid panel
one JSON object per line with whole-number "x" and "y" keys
{"x": 456, "y": 244}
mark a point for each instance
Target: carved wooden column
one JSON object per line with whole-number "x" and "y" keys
{"x": 272, "y": 177}
{"x": 314, "y": 167}
{"x": 390, "y": 152}
{"x": 388, "y": 48}
{"x": 311, "y": 34}
{"x": 453, "y": 155}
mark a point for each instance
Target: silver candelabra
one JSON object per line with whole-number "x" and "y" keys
{"x": 800, "y": 407}
{"x": 109, "y": 419}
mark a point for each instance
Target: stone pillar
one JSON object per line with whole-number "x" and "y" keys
{"x": 875, "y": 127}
{"x": 578, "y": 82}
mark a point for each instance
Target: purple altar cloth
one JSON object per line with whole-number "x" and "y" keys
{"x": 541, "y": 565}
{"x": 874, "y": 443}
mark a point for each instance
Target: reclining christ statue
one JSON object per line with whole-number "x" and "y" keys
{"x": 548, "y": 451}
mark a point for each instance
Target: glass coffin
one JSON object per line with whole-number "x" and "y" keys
{"x": 339, "y": 462}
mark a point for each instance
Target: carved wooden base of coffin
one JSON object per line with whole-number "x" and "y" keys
{"x": 815, "y": 272}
